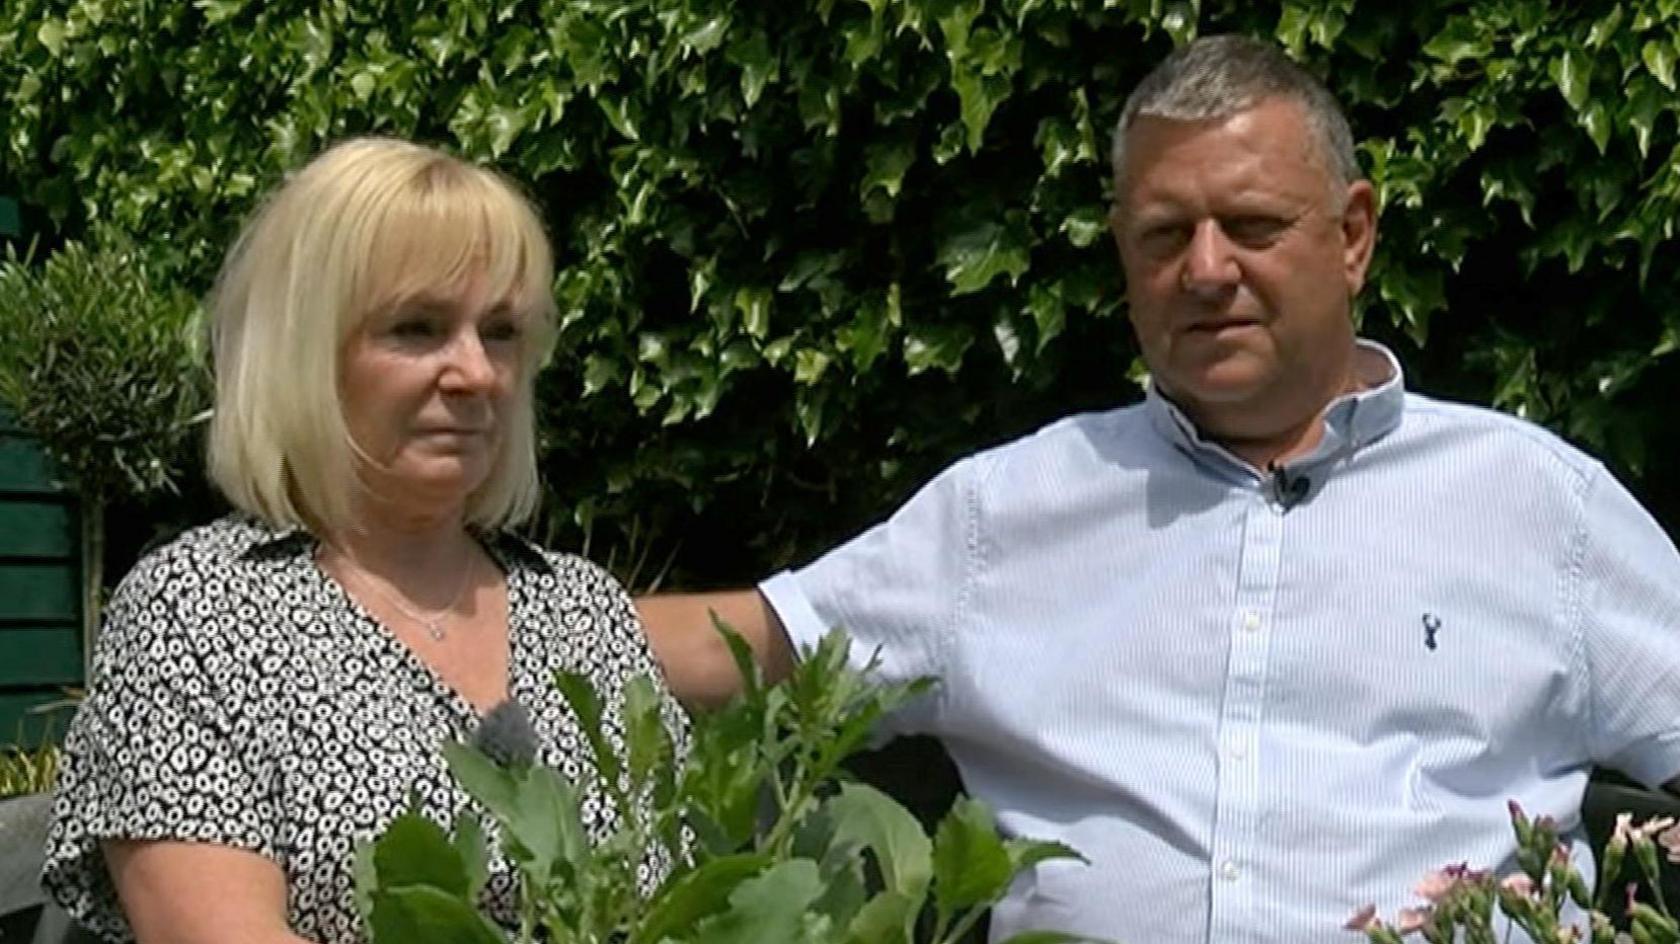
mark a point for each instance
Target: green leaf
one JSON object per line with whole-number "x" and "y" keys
{"x": 423, "y": 913}
{"x": 974, "y": 257}
{"x": 585, "y": 703}
{"x": 970, "y": 865}
{"x": 1572, "y": 72}
{"x": 472, "y": 847}
{"x": 809, "y": 365}
{"x": 865, "y": 815}
{"x": 883, "y": 920}
{"x": 1047, "y": 937}
{"x": 939, "y": 346}
{"x": 754, "y": 305}
{"x": 647, "y": 741}
{"x": 1596, "y": 117}
{"x": 885, "y": 164}
{"x": 696, "y": 896}
{"x": 1658, "y": 56}
{"x": 414, "y": 851}
{"x": 766, "y": 909}
{"x": 1026, "y": 853}
{"x": 51, "y": 35}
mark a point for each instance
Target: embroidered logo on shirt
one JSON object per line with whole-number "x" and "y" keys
{"x": 1431, "y": 626}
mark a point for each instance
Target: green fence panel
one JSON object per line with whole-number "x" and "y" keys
{"x": 40, "y": 590}
{"x": 29, "y": 717}
{"x": 40, "y": 529}
{"x": 38, "y": 656}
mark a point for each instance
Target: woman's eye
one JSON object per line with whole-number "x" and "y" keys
{"x": 501, "y": 331}
{"x": 413, "y": 328}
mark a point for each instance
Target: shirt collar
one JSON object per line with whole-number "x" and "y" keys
{"x": 1351, "y": 421}
{"x": 256, "y": 539}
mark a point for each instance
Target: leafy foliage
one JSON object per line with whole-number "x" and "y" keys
{"x": 811, "y": 250}
{"x": 779, "y": 851}
{"x": 102, "y": 363}
{"x": 24, "y": 771}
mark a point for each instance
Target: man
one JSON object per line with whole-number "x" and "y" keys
{"x": 1283, "y": 637}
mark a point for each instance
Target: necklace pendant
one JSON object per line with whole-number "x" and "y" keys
{"x": 434, "y": 630}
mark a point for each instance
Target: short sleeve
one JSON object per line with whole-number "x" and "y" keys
{"x": 1630, "y": 619}
{"x": 154, "y": 753}
{"x": 897, "y": 589}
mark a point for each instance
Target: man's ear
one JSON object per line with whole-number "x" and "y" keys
{"x": 1359, "y": 233}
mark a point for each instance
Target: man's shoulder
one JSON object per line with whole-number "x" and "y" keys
{"x": 1499, "y": 437}
{"x": 1086, "y": 435}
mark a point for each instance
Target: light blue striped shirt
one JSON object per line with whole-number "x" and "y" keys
{"x": 1254, "y": 711}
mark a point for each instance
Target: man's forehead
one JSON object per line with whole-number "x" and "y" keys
{"x": 1274, "y": 132}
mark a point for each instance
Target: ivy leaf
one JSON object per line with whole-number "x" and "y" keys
{"x": 885, "y": 163}
{"x": 974, "y": 257}
{"x": 936, "y": 345}
{"x": 51, "y": 35}
{"x": 1572, "y": 72}
{"x": 1659, "y": 59}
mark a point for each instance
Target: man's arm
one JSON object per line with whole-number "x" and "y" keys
{"x": 696, "y": 660}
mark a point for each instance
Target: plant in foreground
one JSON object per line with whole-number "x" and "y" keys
{"x": 1460, "y": 900}
{"x": 25, "y": 771}
{"x": 769, "y": 845}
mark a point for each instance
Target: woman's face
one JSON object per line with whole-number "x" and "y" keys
{"x": 426, "y": 385}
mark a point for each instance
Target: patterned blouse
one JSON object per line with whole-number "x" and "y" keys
{"x": 242, "y": 698}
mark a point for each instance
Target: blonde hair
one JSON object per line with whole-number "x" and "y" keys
{"x": 365, "y": 225}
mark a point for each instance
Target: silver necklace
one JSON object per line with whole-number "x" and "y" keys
{"x": 433, "y": 622}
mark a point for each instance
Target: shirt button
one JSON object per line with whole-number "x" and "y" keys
{"x": 1251, "y": 621}
{"x": 1228, "y": 871}
{"x": 1237, "y": 748}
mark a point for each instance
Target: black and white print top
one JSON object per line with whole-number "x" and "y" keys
{"x": 242, "y": 698}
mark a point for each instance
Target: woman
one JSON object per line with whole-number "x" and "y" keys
{"x": 273, "y": 687}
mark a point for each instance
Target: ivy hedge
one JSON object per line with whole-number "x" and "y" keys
{"x": 813, "y": 249}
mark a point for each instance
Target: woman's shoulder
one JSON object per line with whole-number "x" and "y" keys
{"x": 202, "y": 566}
{"x": 571, "y": 573}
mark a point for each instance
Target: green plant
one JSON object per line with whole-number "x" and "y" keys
{"x": 1461, "y": 900}
{"x": 27, "y": 771}
{"x": 812, "y": 250}
{"x": 771, "y": 848}
{"x": 102, "y": 364}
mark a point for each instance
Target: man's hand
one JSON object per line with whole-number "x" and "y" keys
{"x": 697, "y": 662}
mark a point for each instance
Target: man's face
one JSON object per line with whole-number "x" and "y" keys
{"x": 1241, "y": 258}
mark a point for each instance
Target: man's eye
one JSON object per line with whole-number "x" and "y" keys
{"x": 1164, "y": 239}
{"x": 1253, "y": 230}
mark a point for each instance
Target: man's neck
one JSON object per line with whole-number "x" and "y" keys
{"x": 1265, "y": 445}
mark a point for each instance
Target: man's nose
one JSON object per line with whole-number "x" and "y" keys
{"x": 1210, "y": 265}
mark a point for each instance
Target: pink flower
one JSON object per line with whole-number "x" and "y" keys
{"x": 1652, "y": 827}
{"x": 1437, "y": 884}
{"x": 1670, "y": 841}
{"x": 1624, "y": 828}
{"x": 1411, "y": 919}
{"x": 1365, "y": 919}
{"x": 1518, "y": 883}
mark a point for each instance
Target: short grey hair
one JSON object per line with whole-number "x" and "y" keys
{"x": 1218, "y": 76}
